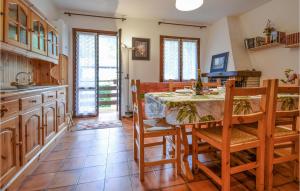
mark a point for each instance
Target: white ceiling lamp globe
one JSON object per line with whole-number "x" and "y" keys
{"x": 188, "y": 5}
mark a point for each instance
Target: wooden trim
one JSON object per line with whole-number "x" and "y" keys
{"x": 99, "y": 32}
{"x": 181, "y": 39}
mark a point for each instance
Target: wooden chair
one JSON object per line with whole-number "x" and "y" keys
{"x": 143, "y": 129}
{"x": 281, "y": 132}
{"x": 229, "y": 139}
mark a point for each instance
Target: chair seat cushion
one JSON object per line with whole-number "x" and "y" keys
{"x": 279, "y": 130}
{"x": 152, "y": 125}
{"x": 237, "y": 136}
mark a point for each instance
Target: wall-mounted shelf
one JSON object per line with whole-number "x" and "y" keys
{"x": 266, "y": 46}
{"x": 29, "y": 54}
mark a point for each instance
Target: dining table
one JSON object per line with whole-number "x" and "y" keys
{"x": 182, "y": 108}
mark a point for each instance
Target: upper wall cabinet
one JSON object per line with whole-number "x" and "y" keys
{"x": 38, "y": 34}
{"x": 1, "y": 19}
{"x": 52, "y": 42}
{"x": 16, "y": 24}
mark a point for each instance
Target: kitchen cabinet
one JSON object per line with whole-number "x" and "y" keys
{"x": 38, "y": 34}
{"x": 16, "y": 24}
{"x": 53, "y": 49}
{"x": 31, "y": 133}
{"x": 9, "y": 149}
{"x": 49, "y": 121}
{"x": 61, "y": 114}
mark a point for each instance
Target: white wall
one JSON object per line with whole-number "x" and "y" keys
{"x": 143, "y": 70}
{"x": 285, "y": 15}
{"x": 47, "y": 9}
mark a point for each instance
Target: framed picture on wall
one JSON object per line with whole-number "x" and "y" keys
{"x": 219, "y": 62}
{"x": 140, "y": 49}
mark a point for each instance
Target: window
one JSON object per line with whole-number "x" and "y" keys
{"x": 179, "y": 58}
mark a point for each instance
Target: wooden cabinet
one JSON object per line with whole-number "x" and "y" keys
{"x": 1, "y": 19}
{"x": 61, "y": 114}
{"x": 9, "y": 149}
{"x": 53, "y": 49}
{"x": 38, "y": 34}
{"x": 16, "y": 23}
{"x": 31, "y": 133}
{"x": 8, "y": 109}
{"x": 49, "y": 121}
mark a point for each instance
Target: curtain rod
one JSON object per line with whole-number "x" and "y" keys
{"x": 98, "y": 16}
{"x": 178, "y": 24}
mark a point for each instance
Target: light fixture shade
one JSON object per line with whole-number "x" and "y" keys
{"x": 188, "y": 5}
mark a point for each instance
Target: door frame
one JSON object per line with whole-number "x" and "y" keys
{"x": 98, "y": 32}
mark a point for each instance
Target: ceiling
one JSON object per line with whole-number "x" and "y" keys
{"x": 212, "y": 10}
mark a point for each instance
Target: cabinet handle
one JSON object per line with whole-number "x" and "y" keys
{"x": 3, "y": 110}
{"x": 3, "y": 157}
{"x": 19, "y": 143}
{"x": 33, "y": 101}
{"x": 50, "y": 96}
{"x": 62, "y": 93}
{"x": 2, "y": 13}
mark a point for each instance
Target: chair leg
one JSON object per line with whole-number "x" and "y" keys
{"x": 178, "y": 151}
{"x": 260, "y": 159}
{"x": 195, "y": 150}
{"x": 135, "y": 149}
{"x": 164, "y": 146}
{"x": 141, "y": 159}
{"x": 296, "y": 162}
{"x": 269, "y": 166}
{"x": 225, "y": 161}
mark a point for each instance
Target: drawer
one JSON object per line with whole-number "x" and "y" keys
{"x": 29, "y": 102}
{"x": 49, "y": 96}
{"x": 61, "y": 94}
{"x": 9, "y": 108}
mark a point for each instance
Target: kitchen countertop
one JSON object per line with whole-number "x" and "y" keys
{"x": 7, "y": 92}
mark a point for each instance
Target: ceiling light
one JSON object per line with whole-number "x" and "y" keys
{"x": 188, "y": 5}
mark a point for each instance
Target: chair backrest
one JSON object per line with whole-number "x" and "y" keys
{"x": 137, "y": 106}
{"x": 173, "y": 86}
{"x": 230, "y": 119}
{"x": 215, "y": 84}
{"x": 289, "y": 111}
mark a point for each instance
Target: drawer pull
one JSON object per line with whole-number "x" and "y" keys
{"x": 50, "y": 96}
{"x": 3, "y": 110}
{"x": 19, "y": 143}
{"x": 62, "y": 93}
{"x": 33, "y": 101}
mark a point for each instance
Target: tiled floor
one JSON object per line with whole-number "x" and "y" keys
{"x": 96, "y": 160}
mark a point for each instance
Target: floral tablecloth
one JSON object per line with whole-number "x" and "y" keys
{"x": 184, "y": 108}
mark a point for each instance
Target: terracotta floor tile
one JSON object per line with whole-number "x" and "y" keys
{"x": 38, "y": 182}
{"x": 117, "y": 170}
{"x": 206, "y": 185}
{"x": 58, "y": 155}
{"x": 74, "y": 153}
{"x": 97, "y": 150}
{"x": 177, "y": 188}
{"x": 134, "y": 167}
{"x": 91, "y": 186}
{"x": 65, "y": 178}
{"x": 118, "y": 157}
{"x": 73, "y": 163}
{"x": 118, "y": 184}
{"x": 92, "y": 174}
{"x": 168, "y": 177}
{"x": 97, "y": 160}
{"x": 151, "y": 182}
{"x": 48, "y": 167}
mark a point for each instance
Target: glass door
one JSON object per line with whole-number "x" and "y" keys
{"x": 86, "y": 70}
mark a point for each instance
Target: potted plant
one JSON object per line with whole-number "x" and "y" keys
{"x": 268, "y": 30}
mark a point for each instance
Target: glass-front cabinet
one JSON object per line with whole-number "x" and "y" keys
{"x": 38, "y": 34}
{"x": 52, "y": 42}
{"x": 16, "y": 26}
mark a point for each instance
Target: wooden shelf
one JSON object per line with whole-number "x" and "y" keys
{"x": 292, "y": 45}
{"x": 266, "y": 46}
{"x": 29, "y": 54}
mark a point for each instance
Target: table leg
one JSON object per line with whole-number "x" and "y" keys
{"x": 185, "y": 163}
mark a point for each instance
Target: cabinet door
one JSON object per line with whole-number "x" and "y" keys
{"x": 31, "y": 133}
{"x": 53, "y": 49}
{"x": 49, "y": 122}
{"x": 61, "y": 114}
{"x": 38, "y": 34}
{"x": 1, "y": 19}
{"x": 9, "y": 149}
{"x": 16, "y": 26}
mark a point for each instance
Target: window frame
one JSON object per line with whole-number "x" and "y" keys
{"x": 180, "y": 39}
